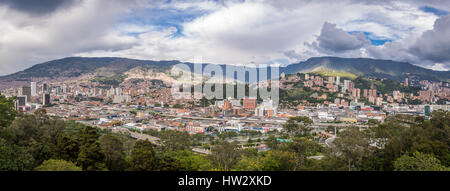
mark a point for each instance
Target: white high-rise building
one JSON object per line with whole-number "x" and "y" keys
{"x": 33, "y": 89}
{"x": 346, "y": 85}
{"x": 338, "y": 80}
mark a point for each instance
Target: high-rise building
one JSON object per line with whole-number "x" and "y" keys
{"x": 26, "y": 91}
{"x": 346, "y": 86}
{"x": 46, "y": 99}
{"x": 406, "y": 82}
{"x": 44, "y": 87}
{"x": 33, "y": 89}
{"x": 338, "y": 80}
{"x": 21, "y": 100}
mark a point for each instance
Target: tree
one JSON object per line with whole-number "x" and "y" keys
{"x": 432, "y": 136}
{"x": 225, "y": 155}
{"x": 176, "y": 140}
{"x": 249, "y": 164}
{"x": 298, "y": 126}
{"x": 353, "y": 145}
{"x": 57, "y": 165}
{"x": 91, "y": 156}
{"x": 14, "y": 158}
{"x": 419, "y": 162}
{"x": 68, "y": 148}
{"x": 142, "y": 157}
{"x": 183, "y": 160}
{"x": 7, "y": 111}
{"x": 114, "y": 152}
{"x": 279, "y": 161}
{"x": 303, "y": 148}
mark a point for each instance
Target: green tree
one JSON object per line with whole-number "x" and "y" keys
{"x": 298, "y": 126}
{"x": 114, "y": 152}
{"x": 183, "y": 160}
{"x": 279, "y": 161}
{"x": 142, "y": 157}
{"x": 68, "y": 148}
{"x": 419, "y": 162}
{"x": 225, "y": 155}
{"x": 353, "y": 145}
{"x": 57, "y": 165}
{"x": 176, "y": 140}
{"x": 7, "y": 111}
{"x": 303, "y": 148}
{"x": 249, "y": 163}
{"x": 14, "y": 158}
{"x": 91, "y": 156}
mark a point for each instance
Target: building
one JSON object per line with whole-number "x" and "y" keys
{"x": 318, "y": 81}
{"x": 249, "y": 103}
{"x": 26, "y": 91}
{"x": 348, "y": 86}
{"x": 21, "y": 100}
{"x": 46, "y": 99}
{"x": 33, "y": 89}
{"x": 44, "y": 88}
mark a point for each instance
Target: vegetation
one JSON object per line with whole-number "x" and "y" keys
{"x": 327, "y": 73}
{"x": 57, "y": 165}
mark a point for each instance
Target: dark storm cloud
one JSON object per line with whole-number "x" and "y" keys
{"x": 434, "y": 45}
{"x": 37, "y": 7}
{"x": 337, "y": 40}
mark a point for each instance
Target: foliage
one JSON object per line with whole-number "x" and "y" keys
{"x": 353, "y": 145}
{"x": 225, "y": 155}
{"x": 142, "y": 157}
{"x": 298, "y": 126}
{"x": 57, "y": 165}
{"x": 7, "y": 111}
{"x": 114, "y": 152}
{"x": 418, "y": 162}
{"x": 14, "y": 158}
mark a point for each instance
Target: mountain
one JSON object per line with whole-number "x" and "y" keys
{"x": 76, "y": 66}
{"x": 73, "y": 67}
{"x": 367, "y": 67}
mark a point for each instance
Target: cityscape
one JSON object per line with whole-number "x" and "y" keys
{"x": 350, "y": 98}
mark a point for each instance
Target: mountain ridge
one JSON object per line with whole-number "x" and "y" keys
{"x": 70, "y": 67}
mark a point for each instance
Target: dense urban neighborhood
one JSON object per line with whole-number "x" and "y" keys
{"x": 316, "y": 113}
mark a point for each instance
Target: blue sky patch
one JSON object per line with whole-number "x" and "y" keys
{"x": 437, "y": 12}
{"x": 163, "y": 18}
{"x": 374, "y": 39}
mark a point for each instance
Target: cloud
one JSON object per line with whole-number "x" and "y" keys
{"x": 37, "y": 7}
{"x": 434, "y": 45}
{"x": 222, "y": 32}
{"x": 337, "y": 40}
{"x": 27, "y": 40}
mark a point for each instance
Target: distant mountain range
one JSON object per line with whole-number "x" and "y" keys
{"x": 367, "y": 67}
{"x": 78, "y": 66}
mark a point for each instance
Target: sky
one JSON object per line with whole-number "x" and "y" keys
{"x": 238, "y": 32}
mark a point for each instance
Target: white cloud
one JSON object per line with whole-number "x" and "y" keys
{"x": 229, "y": 32}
